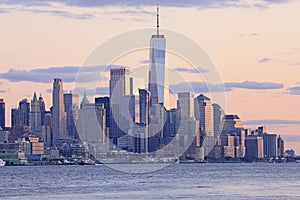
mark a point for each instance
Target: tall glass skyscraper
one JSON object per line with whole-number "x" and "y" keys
{"x": 157, "y": 76}
{"x": 2, "y": 113}
{"x": 59, "y": 114}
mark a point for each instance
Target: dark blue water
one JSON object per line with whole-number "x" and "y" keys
{"x": 177, "y": 181}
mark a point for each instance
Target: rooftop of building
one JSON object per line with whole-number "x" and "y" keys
{"x": 202, "y": 97}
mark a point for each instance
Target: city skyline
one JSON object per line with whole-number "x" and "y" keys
{"x": 264, "y": 70}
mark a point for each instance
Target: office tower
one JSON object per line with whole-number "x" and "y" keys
{"x": 254, "y": 147}
{"x": 42, "y": 108}
{"x": 204, "y": 113}
{"x": 2, "y": 113}
{"x": 35, "y": 116}
{"x": 232, "y": 124}
{"x": 91, "y": 123}
{"x": 23, "y": 113}
{"x": 144, "y": 98}
{"x": 105, "y": 101}
{"x": 47, "y": 129}
{"x": 228, "y": 146}
{"x": 280, "y": 147}
{"x": 157, "y": 73}
{"x": 185, "y": 105}
{"x": 71, "y": 102}
{"x": 262, "y": 129}
{"x": 14, "y": 117}
{"x": 218, "y": 119}
{"x": 188, "y": 127}
{"x": 118, "y": 88}
{"x": 59, "y": 130}
{"x": 173, "y": 121}
{"x": 270, "y": 145}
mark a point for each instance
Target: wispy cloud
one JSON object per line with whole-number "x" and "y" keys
{"x": 140, "y": 3}
{"x": 194, "y": 70}
{"x": 294, "y": 90}
{"x": 197, "y": 87}
{"x": 249, "y": 35}
{"x": 4, "y": 10}
{"x": 3, "y": 91}
{"x": 254, "y": 85}
{"x": 271, "y": 122}
{"x": 291, "y": 138}
{"x": 46, "y": 75}
{"x": 264, "y": 60}
{"x": 203, "y": 87}
{"x": 62, "y": 13}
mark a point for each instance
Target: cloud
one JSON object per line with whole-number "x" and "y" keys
{"x": 249, "y": 35}
{"x": 139, "y": 3}
{"x": 254, "y": 85}
{"x": 62, "y": 13}
{"x": 271, "y": 122}
{"x": 203, "y": 87}
{"x": 294, "y": 90}
{"x": 46, "y": 75}
{"x": 194, "y": 70}
{"x": 3, "y": 11}
{"x": 196, "y": 87}
{"x": 264, "y": 60}
{"x": 3, "y": 91}
{"x": 291, "y": 138}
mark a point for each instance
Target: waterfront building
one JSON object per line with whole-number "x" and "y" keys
{"x": 254, "y": 147}
{"x": 270, "y": 145}
{"x": 2, "y": 113}
{"x": 91, "y": 123}
{"x": 280, "y": 147}
{"x": 23, "y": 113}
{"x": 59, "y": 129}
{"x": 204, "y": 113}
{"x": 105, "y": 101}
{"x": 42, "y": 108}
{"x": 118, "y": 88}
{"x": 47, "y": 129}
{"x": 218, "y": 115}
{"x": 157, "y": 73}
{"x": 35, "y": 122}
{"x": 71, "y": 103}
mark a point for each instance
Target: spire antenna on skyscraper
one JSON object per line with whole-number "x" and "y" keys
{"x": 157, "y": 22}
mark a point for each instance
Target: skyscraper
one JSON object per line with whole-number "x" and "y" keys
{"x": 23, "y": 113}
{"x": 35, "y": 116}
{"x": 254, "y": 147}
{"x": 118, "y": 88}
{"x": 2, "y": 113}
{"x": 280, "y": 147}
{"x": 14, "y": 117}
{"x": 105, "y": 101}
{"x": 59, "y": 114}
{"x": 42, "y": 108}
{"x": 144, "y": 98}
{"x": 157, "y": 76}
{"x": 204, "y": 113}
{"x": 218, "y": 119}
{"x": 71, "y": 102}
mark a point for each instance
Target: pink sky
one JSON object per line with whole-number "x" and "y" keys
{"x": 255, "y": 47}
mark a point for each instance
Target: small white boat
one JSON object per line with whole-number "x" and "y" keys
{"x": 2, "y": 163}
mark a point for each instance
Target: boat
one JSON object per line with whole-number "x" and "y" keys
{"x": 2, "y": 163}
{"x": 187, "y": 161}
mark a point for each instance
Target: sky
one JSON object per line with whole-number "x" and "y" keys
{"x": 255, "y": 46}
